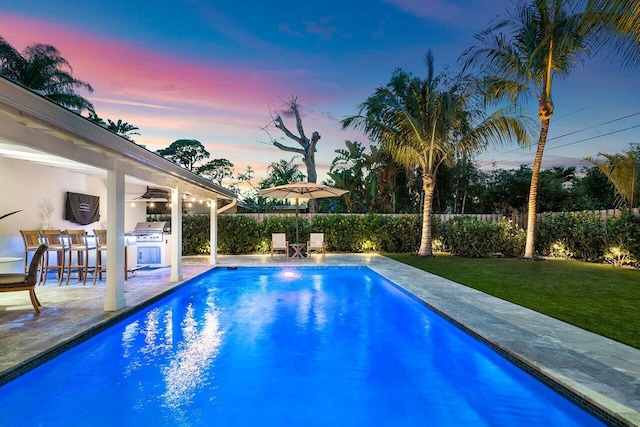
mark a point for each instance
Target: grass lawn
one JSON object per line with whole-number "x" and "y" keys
{"x": 596, "y": 297}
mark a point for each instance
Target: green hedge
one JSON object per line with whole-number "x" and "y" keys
{"x": 588, "y": 237}
{"x": 582, "y": 235}
{"x": 469, "y": 237}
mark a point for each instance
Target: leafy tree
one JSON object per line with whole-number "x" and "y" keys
{"x": 507, "y": 190}
{"x": 540, "y": 40}
{"x": 623, "y": 171}
{"x": 591, "y": 190}
{"x": 42, "y": 69}
{"x": 307, "y": 145}
{"x": 185, "y": 152}
{"x": 425, "y": 122}
{"x": 216, "y": 170}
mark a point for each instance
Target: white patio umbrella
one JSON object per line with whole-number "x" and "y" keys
{"x": 301, "y": 190}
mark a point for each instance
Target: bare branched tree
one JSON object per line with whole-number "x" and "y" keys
{"x": 307, "y": 145}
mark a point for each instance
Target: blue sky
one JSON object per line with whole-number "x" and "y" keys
{"x": 212, "y": 71}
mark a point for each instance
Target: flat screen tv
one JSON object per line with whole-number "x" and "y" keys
{"x": 82, "y": 208}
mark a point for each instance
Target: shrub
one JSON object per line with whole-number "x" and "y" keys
{"x": 579, "y": 235}
{"x": 196, "y": 235}
{"x": 469, "y": 237}
{"x": 238, "y": 235}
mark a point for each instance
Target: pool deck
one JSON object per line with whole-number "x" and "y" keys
{"x": 603, "y": 373}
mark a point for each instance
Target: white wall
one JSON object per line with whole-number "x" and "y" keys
{"x": 26, "y": 186}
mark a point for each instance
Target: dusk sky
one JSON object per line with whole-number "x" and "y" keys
{"x": 212, "y": 71}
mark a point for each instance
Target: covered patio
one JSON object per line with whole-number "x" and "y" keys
{"x": 47, "y": 151}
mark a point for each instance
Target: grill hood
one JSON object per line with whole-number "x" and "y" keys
{"x": 151, "y": 227}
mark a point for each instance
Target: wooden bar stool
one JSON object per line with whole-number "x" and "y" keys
{"x": 77, "y": 245}
{"x": 55, "y": 241}
{"x": 101, "y": 248}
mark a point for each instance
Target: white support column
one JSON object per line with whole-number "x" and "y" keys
{"x": 213, "y": 234}
{"x": 114, "y": 293}
{"x": 176, "y": 234}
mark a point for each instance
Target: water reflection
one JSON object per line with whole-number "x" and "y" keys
{"x": 178, "y": 345}
{"x": 190, "y": 368}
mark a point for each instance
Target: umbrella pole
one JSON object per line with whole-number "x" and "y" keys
{"x": 297, "y": 209}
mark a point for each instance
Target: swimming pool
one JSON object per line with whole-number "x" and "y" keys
{"x": 271, "y": 346}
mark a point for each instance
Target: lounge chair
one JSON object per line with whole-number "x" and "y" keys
{"x": 316, "y": 243}
{"x": 279, "y": 243}
{"x": 25, "y": 282}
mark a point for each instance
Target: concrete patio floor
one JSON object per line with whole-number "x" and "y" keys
{"x": 602, "y": 373}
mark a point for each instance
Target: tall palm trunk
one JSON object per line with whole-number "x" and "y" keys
{"x": 530, "y": 250}
{"x": 428, "y": 185}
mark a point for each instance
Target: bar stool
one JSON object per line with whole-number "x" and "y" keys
{"x": 101, "y": 247}
{"x": 55, "y": 241}
{"x": 32, "y": 240}
{"x": 77, "y": 244}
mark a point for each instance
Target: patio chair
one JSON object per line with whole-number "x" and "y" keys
{"x": 32, "y": 240}
{"x": 279, "y": 243}
{"x": 316, "y": 243}
{"x": 25, "y": 282}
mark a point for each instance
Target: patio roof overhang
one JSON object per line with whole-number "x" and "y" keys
{"x": 36, "y": 129}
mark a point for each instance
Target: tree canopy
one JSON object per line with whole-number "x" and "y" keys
{"x": 185, "y": 152}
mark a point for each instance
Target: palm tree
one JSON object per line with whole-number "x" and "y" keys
{"x": 41, "y": 68}
{"x": 347, "y": 172}
{"x": 123, "y": 129}
{"x": 423, "y": 123}
{"x": 521, "y": 57}
{"x": 618, "y": 24}
{"x": 623, "y": 171}
{"x": 542, "y": 40}
{"x": 282, "y": 172}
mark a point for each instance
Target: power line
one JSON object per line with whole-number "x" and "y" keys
{"x": 595, "y": 137}
{"x": 578, "y": 131}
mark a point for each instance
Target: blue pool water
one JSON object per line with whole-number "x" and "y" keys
{"x": 284, "y": 347}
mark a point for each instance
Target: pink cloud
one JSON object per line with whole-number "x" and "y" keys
{"x": 127, "y": 73}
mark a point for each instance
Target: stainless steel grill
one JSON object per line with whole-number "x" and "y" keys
{"x": 154, "y": 243}
{"x": 150, "y": 231}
